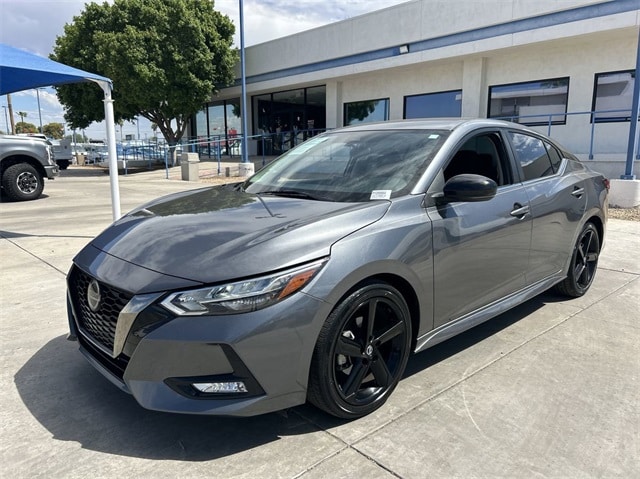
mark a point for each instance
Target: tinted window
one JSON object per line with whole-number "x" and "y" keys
{"x": 434, "y": 105}
{"x": 481, "y": 155}
{"x": 530, "y": 103}
{"x": 554, "y": 155}
{"x": 366, "y": 111}
{"x": 532, "y": 155}
{"x": 613, "y": 95}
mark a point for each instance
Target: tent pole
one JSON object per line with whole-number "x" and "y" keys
{"x": 111, "y": 144}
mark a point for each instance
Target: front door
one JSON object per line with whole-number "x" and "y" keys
{"x": 480, "y": 249}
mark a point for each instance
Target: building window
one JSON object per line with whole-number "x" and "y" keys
{"x": 287, "y": 118}
{"x": 613, "y": 91}
{"x": 216, "y": 125}
{"x": 531, "y": 103}
{"x": 434, "y": 105}
{"x": 366, "y": 111}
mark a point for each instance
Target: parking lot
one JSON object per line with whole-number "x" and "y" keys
{"x": 548, "y": 389}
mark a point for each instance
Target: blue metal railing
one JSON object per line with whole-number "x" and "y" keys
{"x": 275, "y": 143}
{"x": 594, "y": 121}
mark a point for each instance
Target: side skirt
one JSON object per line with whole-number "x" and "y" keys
{"x": 479, "y": 316}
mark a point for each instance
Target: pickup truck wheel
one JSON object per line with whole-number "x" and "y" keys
{"x": 63, "y": 164}
{"x": 22, "y": 182}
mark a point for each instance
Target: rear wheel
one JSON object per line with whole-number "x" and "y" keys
{"x": 361, "y": 353}
{"x": 584, "y": 263}
{"x": 22, "y": 182}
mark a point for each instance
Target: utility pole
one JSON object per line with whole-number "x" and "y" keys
{"x": 39, "y": 109}
{"x": 13, "y": 123}
{"x": 6, "y": 119}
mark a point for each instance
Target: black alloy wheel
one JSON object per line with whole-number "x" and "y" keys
{"x": 361, "y": 353}
{"x": 584, "y": 263}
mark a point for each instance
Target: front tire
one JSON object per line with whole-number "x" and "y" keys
{"x": 584, "y": 263}
{"x": 22, "y": 182}
{"x": 361, "y": 352}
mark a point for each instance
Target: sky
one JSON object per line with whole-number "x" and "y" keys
{"x": 33, "y": 25}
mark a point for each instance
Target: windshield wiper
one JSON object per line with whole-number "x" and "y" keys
{"x": 294, "y": 194}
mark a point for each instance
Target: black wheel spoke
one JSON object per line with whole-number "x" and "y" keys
{"x": 354, "y": 381}
{"x": 381, "y": 373}
{"x": 348, "y": 347}
{"x": 589, "y": 238}
{"x": 373, "y": 306}
{"x": 577, "y": 272}
{"x": 390, "y": 333}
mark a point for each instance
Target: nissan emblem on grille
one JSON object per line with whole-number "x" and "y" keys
{"x": 93, "y": 295}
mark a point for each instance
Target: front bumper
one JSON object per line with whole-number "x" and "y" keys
{"x": 268, "y": 350}
{"x": 51, "y": 171}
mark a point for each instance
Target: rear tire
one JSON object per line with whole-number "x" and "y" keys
{"x": 22, "y": 182}
{"x": 584, "y": 263}
{"x": 361, "y": 352}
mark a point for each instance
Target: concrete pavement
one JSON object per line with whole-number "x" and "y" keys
{"x": 549, "y": 389}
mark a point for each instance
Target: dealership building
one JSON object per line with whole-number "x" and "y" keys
{"x": 564, "y": 67}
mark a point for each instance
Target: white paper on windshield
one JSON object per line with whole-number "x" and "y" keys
{"x": 380, "y": 195}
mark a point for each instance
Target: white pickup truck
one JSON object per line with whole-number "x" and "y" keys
{"x": 25, "y": 162}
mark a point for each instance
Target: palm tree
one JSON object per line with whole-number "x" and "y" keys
{"x": 22, "y": 115}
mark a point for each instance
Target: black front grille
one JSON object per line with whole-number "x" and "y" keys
{"x": 99, "y": 326}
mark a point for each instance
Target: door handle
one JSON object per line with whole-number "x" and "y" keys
{"x": 519, "y": 211}
{"x": 577, "y": 192}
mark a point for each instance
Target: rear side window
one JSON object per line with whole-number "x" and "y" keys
{"x": 532, "y": 156}
{"x": 554, "y": 155}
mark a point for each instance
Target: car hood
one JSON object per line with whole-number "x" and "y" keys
{"x": 218, "y": 234}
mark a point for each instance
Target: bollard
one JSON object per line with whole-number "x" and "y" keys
{"x": 190, "y": 167}
{"x": 246, "y": 169}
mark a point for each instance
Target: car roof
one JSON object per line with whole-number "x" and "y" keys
{"x": 432, "y": 124}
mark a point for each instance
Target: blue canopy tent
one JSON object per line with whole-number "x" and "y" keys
{"x": 21, "y": 70}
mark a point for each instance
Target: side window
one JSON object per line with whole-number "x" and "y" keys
{"x": 532, "y": 156}
{"x": 554, "y": 154}
{"x": 481, "y": 155}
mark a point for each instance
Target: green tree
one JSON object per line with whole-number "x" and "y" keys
{"x": 77, "y": 138}
{"x": 53, "y": 130}
{"x": 165, "y": 57}
{"x": 23, "y": 127}
{"x": 22, "y": 116}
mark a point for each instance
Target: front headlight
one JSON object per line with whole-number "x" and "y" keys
{"x": 242, "y": 296}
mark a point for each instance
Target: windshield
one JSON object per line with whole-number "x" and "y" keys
{"x": 350, "y": 166}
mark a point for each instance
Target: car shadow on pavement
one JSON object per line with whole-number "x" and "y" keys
{"x": 84, "y": 172}
{"x": 75, "y": 403}
{"x": 5, "y": 199}
{"x": 440, "y": 352}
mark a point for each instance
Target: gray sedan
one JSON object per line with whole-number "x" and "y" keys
{"x": 317, "y": 277}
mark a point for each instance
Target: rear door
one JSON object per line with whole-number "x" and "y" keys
{"x": 558, "y": 202}
{"x": 481, "y": 249}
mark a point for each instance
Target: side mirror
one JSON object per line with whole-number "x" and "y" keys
{"x": 468, "y": 187}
